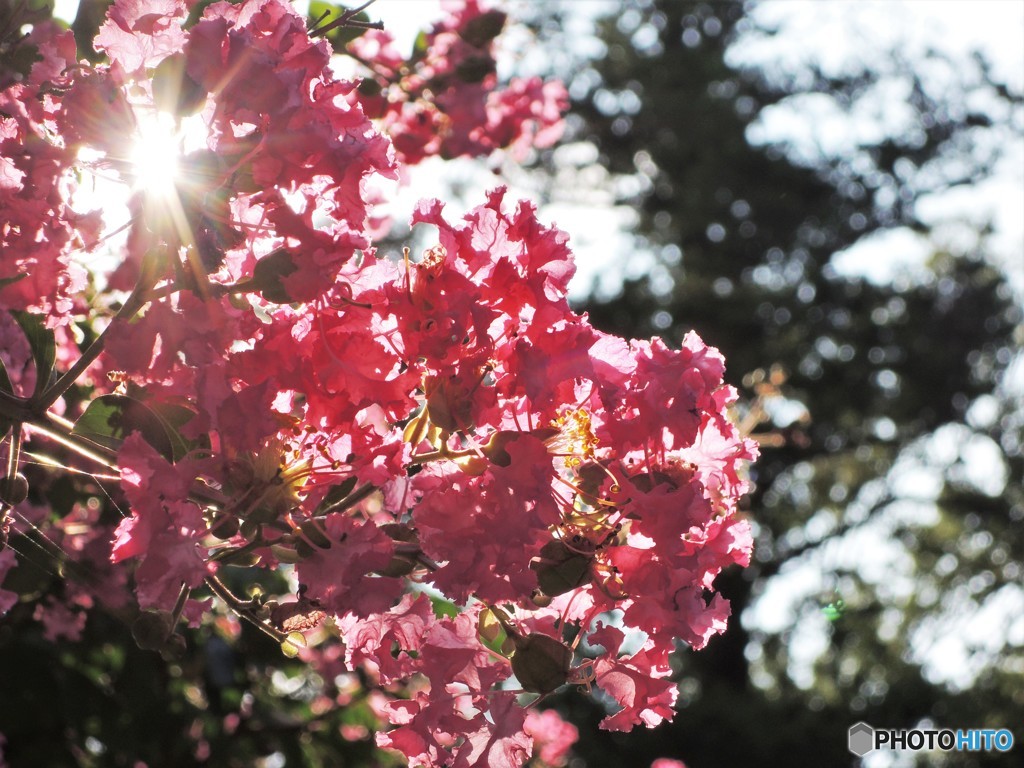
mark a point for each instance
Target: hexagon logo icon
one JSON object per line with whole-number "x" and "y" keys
{"x": 861, "y": 739}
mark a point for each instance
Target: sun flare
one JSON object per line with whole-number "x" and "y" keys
{"x": 155, "y": 155}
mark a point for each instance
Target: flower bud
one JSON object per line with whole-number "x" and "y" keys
{"x": 402, "y": 562}
{"x": 541, "y": 663}
{"x": 285, "y": 554}
{"x": 292, "y": 644}
{"x": 152, "y": 629}
{"x": 14, "y": 490}
{"x": 560, "y": 568}
{"x": 539, "y": 599}
{"x": 223, "y": 526}
{"x": 494, "y": 448}
{"x": 173, "y": 649}
{"x": 474, "y": 466}
{"x": 250, "y": 530}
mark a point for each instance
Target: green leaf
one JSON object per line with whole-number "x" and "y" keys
{"x": 339, "y": 36}
{"x": 109, "y": 419}
{"x": 32, "y": 578}
{"x": 42, "y": 343}
{"x": 317, "y": 9}
{"x": 834, "y": 611}
{"x": 173, "y": 417}
{"x": 196, "y": 13}
{"x": 151, "y": 629}
{"x": 174, "y": 90}
{"x": 443, "y": 607}
{"x": 474, "y": 69}
{"x": 419, "y": 48}
{"x": 62, "y": 494}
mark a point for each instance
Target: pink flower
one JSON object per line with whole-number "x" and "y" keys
{"x": 141, "y": 33}
{"x": 446, "y": 100}
{"x": 59, "y": 621}
{"x": 553, "y": 737}
{"x": 165, "y": 527}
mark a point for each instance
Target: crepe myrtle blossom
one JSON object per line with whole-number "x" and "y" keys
{"x": 486, "y": 497}
{"x": 446, "y": 100}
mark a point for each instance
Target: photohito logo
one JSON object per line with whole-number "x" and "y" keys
{"x": 862, "y": 738}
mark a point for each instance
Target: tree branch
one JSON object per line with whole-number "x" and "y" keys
{"x": 348, "y": 19}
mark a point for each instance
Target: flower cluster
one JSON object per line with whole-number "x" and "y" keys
{"x": 446, "y": 100}
{"x": 481, "y": 492}
{"x": 39, "y": 227}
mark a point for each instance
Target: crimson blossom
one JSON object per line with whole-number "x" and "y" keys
{"x": 480, "y": 497}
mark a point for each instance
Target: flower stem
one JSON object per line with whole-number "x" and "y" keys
{"x": 179, "y": 605}
{"x": 242, "y": 608}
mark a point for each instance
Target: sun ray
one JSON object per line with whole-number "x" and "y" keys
{"x": 155, "y": 155}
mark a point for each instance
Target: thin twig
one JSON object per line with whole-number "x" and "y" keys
{"x": 242, "y": 608}
{"x": 179, "y": 605}
{"x": 348, "y": 19}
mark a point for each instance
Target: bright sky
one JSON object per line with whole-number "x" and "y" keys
{"x": 834, "y": 34}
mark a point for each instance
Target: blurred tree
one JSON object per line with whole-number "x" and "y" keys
{"x": 873, "y": 389}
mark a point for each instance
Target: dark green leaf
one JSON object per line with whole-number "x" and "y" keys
{"x": 109, "y": 419}
{"x": 174, "y": 90}
{"x": 43, "y": 345}
{"x": 152, "y": 629}
{"x": 62, "y": 494}
{"x": 33, "y": 576}
{"x": 173, "y": 417}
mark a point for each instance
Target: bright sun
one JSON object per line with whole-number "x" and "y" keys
{"x": 154, "y": 155}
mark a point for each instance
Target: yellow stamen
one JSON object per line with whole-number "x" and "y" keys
{"x": 577, "y": 436}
